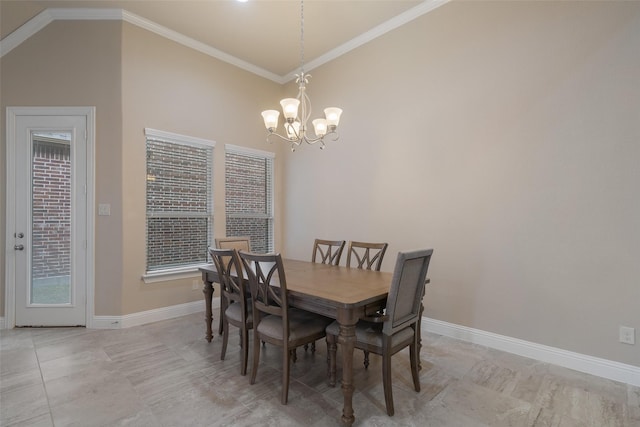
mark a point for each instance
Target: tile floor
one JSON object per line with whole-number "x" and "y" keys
{"x": 166, "y": 374}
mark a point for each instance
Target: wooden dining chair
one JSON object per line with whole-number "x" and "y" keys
{"x": 327, "y": 251}
{"x": 366, "y": 256}
{"x": 386, "y": 334}
{"x": 274, "y": 322}
{"x": 239, "y": 243}
{"x": 232, "y": 290}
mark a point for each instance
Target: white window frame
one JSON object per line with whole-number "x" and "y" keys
{"x": 237, "y": 149}
{"x": 182, "y": 271}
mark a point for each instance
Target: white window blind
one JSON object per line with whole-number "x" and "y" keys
{"x": 179, "y": 200}
{"x": 249, "y": 196}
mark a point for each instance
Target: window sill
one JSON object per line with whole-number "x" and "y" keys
{"x": 172, "y": 274}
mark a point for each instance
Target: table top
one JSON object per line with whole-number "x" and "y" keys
{"x": 341, "y": 286}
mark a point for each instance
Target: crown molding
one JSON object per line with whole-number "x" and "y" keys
{"x": 199, "y": 46}
{"x": 395, "y": 22}
{"x": 47, "y": 16}
{"x": 25, "y": 31}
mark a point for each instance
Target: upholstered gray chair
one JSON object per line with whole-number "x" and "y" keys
{"x": 386, "y": 334}
{"x": 234, "y": 300}
{"x": 274, "y": 322}
{"x": 327, "y": 251}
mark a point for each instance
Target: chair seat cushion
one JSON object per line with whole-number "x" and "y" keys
{"x": 234, "y": 313}
{"x": 301, "y": 324}
{"x": 370, "y": 334}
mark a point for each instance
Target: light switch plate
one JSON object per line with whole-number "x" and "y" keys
{"x": 104, "y": 209}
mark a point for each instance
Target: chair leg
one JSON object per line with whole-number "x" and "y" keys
{"x": 386, "y": 383}
{"x": 225, "y": 336}
{"x": 414, "y": 356}
{"x": 285, "y": 375}
{"x": 222, "y": 309}
{"x": 244, "y": 339}
{"x": 366, "y": 359}
{"x": 331, "y": 350}
{"x": 256, "y": 357}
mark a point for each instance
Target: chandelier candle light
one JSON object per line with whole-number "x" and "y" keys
{"x": 295, "y": 124}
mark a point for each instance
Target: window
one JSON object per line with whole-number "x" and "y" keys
{"x": 249, "y": 196}
{"x": 179, "y": 200}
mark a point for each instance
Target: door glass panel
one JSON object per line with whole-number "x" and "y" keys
{"x": 51, "y": 219}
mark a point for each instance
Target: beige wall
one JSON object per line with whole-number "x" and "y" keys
{"x": 74, "y": 64}
{"x": 171, "y": 88}
{"x": 505, "y": 135}
{"x": 136, "y": 80}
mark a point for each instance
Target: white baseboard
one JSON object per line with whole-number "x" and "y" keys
{"x": 155, "y": 315}
{"x": 604, "y": 368}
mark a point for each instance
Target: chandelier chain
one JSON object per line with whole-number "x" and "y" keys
{"x": 302, "y": 36}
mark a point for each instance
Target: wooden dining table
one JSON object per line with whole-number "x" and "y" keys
{"x": 341, "y": 293}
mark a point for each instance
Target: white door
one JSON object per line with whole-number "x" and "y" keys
{"x": 49, "y": 220}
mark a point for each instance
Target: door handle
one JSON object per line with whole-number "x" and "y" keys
{"x": 19, "y": 247}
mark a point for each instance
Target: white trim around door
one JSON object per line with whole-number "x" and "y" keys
{"x": 12, "y": 114}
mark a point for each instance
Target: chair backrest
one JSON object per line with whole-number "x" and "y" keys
{"x": 240, "y": 243}
{"x": 268, "y": 285}
{"x": 367, "y": 255}
{"x": 229, "y": 267}
{"x": 330, "y": 251}
{"x": 407, "y": 290}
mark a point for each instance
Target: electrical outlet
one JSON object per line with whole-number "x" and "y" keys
{"x": 195, "y": 285}
{"x": 627, "y": 335}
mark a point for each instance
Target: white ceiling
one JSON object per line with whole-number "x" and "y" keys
{"x": 262, "y": 36}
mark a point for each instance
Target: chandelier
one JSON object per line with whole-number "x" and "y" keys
{"x": 296, "y": 111}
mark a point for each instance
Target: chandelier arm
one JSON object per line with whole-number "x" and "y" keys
{"x": 335, "y": 135}
{"x": 296, "y": 141}
{"x": 306, "y": 107}
{"x": 312, "y": 141}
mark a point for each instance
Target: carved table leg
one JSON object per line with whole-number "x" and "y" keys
{"x": 332, "y": 348}
{"x": 347, "y": 320}
{"x": 208, "y": 296}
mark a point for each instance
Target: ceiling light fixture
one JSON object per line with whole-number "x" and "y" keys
{"x": 295, "y": 124}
